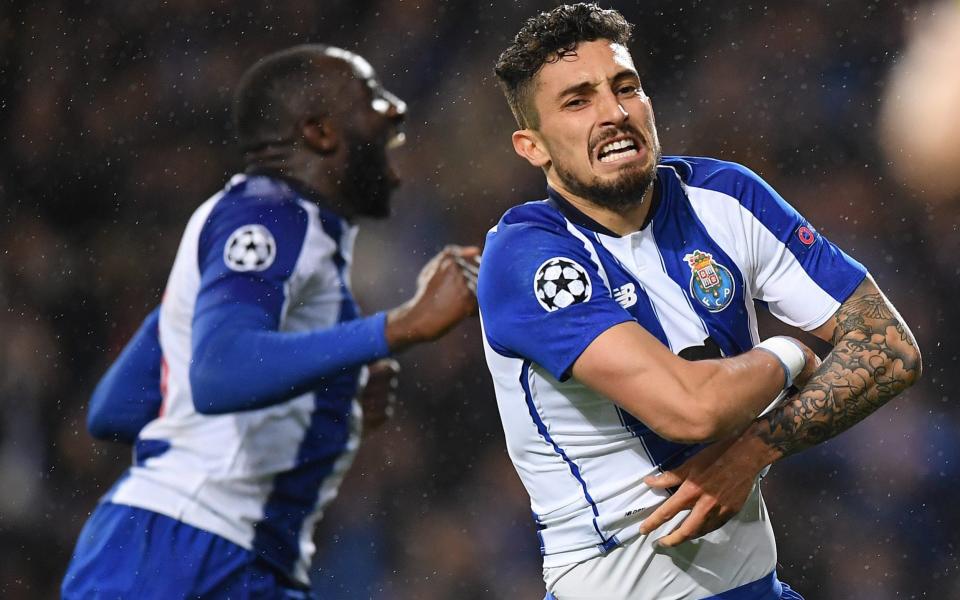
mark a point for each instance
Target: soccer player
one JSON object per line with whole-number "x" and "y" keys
{"x": 620, "y": 331}
{"x": 239, "y": 392}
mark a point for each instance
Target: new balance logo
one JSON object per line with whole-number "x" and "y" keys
{"x": 626, "y": 295}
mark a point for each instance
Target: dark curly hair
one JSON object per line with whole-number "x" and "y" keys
{"x": 547, "y": 38}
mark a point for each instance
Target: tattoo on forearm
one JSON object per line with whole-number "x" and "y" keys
{"x": 874, "y": 358}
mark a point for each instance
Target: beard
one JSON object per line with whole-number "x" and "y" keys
{"x": 367, "y": 181}
{"x": 624, "y": 192}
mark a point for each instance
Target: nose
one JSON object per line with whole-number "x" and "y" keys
{"x": 611, "y": 110}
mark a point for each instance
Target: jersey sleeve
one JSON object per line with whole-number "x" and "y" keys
{"x": 246, "y": 256}
{"x": 128, "y": 396}
{"x": 542, "y": 296}
{"x": 798, "y": 272}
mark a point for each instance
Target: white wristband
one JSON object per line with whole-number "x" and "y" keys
{"x": 789, "y": 354}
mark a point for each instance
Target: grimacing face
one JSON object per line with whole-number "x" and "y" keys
{"x": 597, "y": 137}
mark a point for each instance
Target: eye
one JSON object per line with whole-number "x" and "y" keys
{"x": 575, "y": 103}
{"x": 628, "y": 89}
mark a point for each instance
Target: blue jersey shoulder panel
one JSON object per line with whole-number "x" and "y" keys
{"x": 833, "y": 270}
{"x": 541, "y": 292}
{"x": 249, "y": 246}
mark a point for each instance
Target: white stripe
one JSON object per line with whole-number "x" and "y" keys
{"x": 593, "y": 253}
{"x": 771, "y": 272}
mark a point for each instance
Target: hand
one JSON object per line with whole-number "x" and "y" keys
{"x": 714, "y": 485}
{"x": 379, "y": 396}
{"x": 446, "y": 294}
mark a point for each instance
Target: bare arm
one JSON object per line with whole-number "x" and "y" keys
{"x": 874, "y": 358}
{"x": 681, "y": 400}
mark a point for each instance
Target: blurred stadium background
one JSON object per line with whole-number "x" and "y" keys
{"x": 114, "y": 126}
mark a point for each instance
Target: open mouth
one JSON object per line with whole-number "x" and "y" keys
{"x": 618, "y": 149}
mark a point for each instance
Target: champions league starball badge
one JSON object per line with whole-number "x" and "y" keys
{"x": 250, "y": 248}
{"x": 711, "y": 283}
{"x": 560, "y": 282}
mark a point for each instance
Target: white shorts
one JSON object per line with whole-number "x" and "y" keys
{"x": 738, "y": 554}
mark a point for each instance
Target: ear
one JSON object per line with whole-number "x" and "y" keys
{"x": 320, "y": 134}
{"x": 528, "y": 144}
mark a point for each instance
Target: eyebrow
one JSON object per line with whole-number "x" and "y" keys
{"x": 585, "y": 86}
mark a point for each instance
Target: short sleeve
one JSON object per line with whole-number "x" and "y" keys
{"x": 799, "y": 273}
{"x": 542, "y": 296}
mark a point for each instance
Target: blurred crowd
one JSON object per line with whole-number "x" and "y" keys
{"x": 114, "y": 123}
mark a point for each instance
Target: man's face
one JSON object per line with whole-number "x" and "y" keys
{"x": 596, "y": 125}
{"x": 375, "y": 116}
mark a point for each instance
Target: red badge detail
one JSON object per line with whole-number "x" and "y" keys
{"x": 806, "y": 236}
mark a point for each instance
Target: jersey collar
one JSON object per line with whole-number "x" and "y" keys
{"x": 576, "y": 216}
{"x": 300, "y": 188}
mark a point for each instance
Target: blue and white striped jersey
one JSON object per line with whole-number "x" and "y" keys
{"x": 552, "y": 280}
{"x": 262, "y": 352}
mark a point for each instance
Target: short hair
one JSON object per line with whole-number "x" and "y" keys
{"x": 278, "y": 91}
{"x": 546, "y": 38}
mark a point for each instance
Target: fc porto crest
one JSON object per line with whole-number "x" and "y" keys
{"x": 711, "y": 283}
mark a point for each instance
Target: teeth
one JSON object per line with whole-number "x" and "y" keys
{"x": 617, "y": 150}
{"x": 618, "y": 145}
{"x": 618, "y": 156}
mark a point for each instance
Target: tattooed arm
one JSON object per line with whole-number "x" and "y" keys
{"x": 874, "y": 358}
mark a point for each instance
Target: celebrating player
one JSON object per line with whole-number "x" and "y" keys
{"x": 239, "y": 393}
{"x": 620, "y": 331}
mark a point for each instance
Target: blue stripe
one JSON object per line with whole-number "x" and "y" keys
{"x": 540, "y": 528}
{"x": 144, "y": 450}
{"x": 295, "y": 492}
{"x": 333, "y": 226}
{"x": 664, "y": 453}
{"x": 765, "y": 588}
{"x": 678, "y": 233}
{"x": 828, "y": 266}
{"x": 605, "y": 543}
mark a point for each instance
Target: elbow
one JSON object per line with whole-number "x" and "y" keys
{"x": 205, "y": 391}
{"x": 104, "y": 428}
{"x": 99, "y": 423}
{"x": 912, "y": 362}
{"x": 98, "y": 426}
{"x": 917, "y": 360}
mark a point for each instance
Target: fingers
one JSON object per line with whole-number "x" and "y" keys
{"x": 688, "y": 529}
{"x": 664, "y": 480}
{"x": 470, "y": 271}
{"x": 705, "y": 517}
{"x": 682, "y": 500}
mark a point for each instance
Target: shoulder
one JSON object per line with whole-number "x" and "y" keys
{"x": 523, "y": 225}
{"x": 709, "y": 173}
{"x": 254, "y": 219}
{"x": 259, "y": 200}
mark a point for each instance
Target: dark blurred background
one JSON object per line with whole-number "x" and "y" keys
{"x": 114, "y": 126}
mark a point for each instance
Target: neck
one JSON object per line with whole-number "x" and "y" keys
{"x": 307, "y": 173}
{"x": 622, "y": 221}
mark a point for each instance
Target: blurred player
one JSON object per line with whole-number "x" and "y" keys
{"x": 921, "y": 109}
{"x": 596, "y": 302}
{"x": 239, "y": 393}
